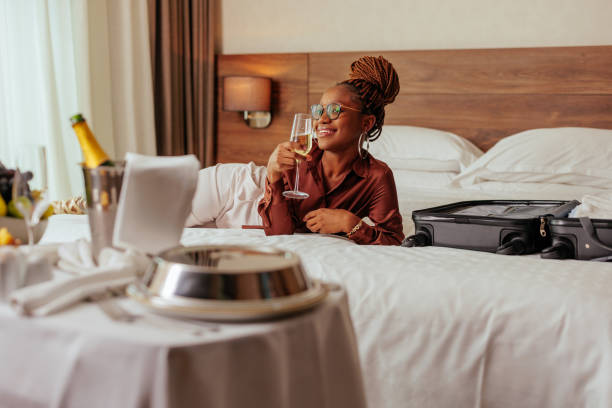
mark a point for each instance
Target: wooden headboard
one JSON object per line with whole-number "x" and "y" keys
{"x": 482, "y": 95}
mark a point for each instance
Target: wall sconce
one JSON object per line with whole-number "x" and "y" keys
{"x": 250, "y": 95}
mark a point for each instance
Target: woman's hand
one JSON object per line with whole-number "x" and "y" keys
{"x": 282, "y": 159}
{"x": 330, "y": 221}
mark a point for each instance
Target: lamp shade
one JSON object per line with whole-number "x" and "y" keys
{"x": 243, "y": 93}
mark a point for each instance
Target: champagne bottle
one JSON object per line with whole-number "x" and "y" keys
{"x": 92, "y": 152}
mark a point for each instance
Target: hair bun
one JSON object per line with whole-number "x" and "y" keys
{"x": 378, "y": 72}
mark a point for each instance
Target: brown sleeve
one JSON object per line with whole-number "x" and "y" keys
{"x": 274, "y": 209}
{"x": 384, "y": 212}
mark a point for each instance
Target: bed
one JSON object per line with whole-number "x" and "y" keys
{"x": 442, "y": 327}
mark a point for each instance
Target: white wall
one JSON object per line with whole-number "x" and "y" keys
{"x": 278, "y": 26}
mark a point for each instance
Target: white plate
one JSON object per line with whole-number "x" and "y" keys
{"x": 229, "y": 310}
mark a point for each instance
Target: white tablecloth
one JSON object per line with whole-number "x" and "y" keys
{"x": 81, "y": 358}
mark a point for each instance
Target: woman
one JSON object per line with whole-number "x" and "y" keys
{"x": 345, "y": 183}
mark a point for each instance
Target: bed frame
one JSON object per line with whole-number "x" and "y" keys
{"x": 482, "y": 95}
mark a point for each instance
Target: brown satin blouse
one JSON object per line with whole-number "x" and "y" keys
{"x": 366, "y": 190}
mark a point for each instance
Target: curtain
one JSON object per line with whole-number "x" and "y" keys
{"x": 60, "y": 57}
{"x": 39, "y": 70}
{"x": 131, "y": 77}
{"x": 182, "y": 59}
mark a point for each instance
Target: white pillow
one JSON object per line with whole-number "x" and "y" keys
{"x": 529, "y": 191}
{"x": 422, "y": 149}
{"x": 409, "y": 179}
{"x": 573, "y": 156}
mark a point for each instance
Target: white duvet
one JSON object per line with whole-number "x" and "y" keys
{"x": 440, "y": 327}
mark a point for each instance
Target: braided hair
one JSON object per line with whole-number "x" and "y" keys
{"x": 376, "y": 83}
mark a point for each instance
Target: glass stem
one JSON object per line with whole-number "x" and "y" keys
{"x": 30, "y": 231}
{"x": 297, "y": 176}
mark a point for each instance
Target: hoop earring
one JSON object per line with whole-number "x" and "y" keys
{"x": 360, "y": 144}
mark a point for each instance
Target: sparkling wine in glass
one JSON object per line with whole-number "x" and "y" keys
{"x": 301, "y": 133}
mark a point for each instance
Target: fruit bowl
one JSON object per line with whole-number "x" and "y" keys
{"x": 17, "y": 228}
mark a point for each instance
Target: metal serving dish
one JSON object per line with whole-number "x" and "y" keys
{"x": 226, "y": 273}
{"x": 224, "y": 282}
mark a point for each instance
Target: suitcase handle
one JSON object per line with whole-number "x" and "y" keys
{"x": 565, "y": 209}
{"x": 513, "y": 246}
{"x": 588, "y": 228}
{"x": 420, "y": 239}
{"x": 561, "y": 248}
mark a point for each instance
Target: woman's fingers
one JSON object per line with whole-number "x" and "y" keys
{"x": 309, "y": 222}
{"x": 313, "y": 226}
{"x": 288, "y": 154}
{"x": 291, "y": 155}
{"x": 283, "y": 158}
{"x": 284, "y": 166}
{"x": 311, "y": 214}
{"x": 328, "y": 221}
{"x": 313, "y": 221}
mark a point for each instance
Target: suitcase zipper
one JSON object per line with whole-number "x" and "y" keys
{"x": 543, "y": 226}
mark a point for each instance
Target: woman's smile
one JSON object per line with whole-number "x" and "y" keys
{"x": 324, "y": 131}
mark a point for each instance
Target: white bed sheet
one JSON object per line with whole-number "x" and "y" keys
{"x": 441, "y": 327}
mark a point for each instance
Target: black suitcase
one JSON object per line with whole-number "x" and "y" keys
{"x": 580, "y": 238}
{"x": 510, "y": 227}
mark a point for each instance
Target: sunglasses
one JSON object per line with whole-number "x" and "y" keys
{"x": 333, "y": 110}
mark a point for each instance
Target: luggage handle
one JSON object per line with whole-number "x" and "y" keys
{"x": 565, "y": 209}
{"x": 514, "y": 246}
{"x": 588, "y": 228}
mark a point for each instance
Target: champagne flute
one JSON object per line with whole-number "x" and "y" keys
{"x": 31, "y": 207}
{"x": 301, "y": 132}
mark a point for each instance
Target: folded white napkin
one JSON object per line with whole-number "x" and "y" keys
{"x": 597, "y": 205}
{"x": 155, "y": 201}
{"x": 24, "y": 266}
{"x": 12, "y": 269}
{"x": 115, "y": 270}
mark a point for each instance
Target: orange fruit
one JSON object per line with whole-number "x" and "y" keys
{"x": 5, "y": 237}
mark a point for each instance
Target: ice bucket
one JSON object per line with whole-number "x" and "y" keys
{"x": 102, "y": 188}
